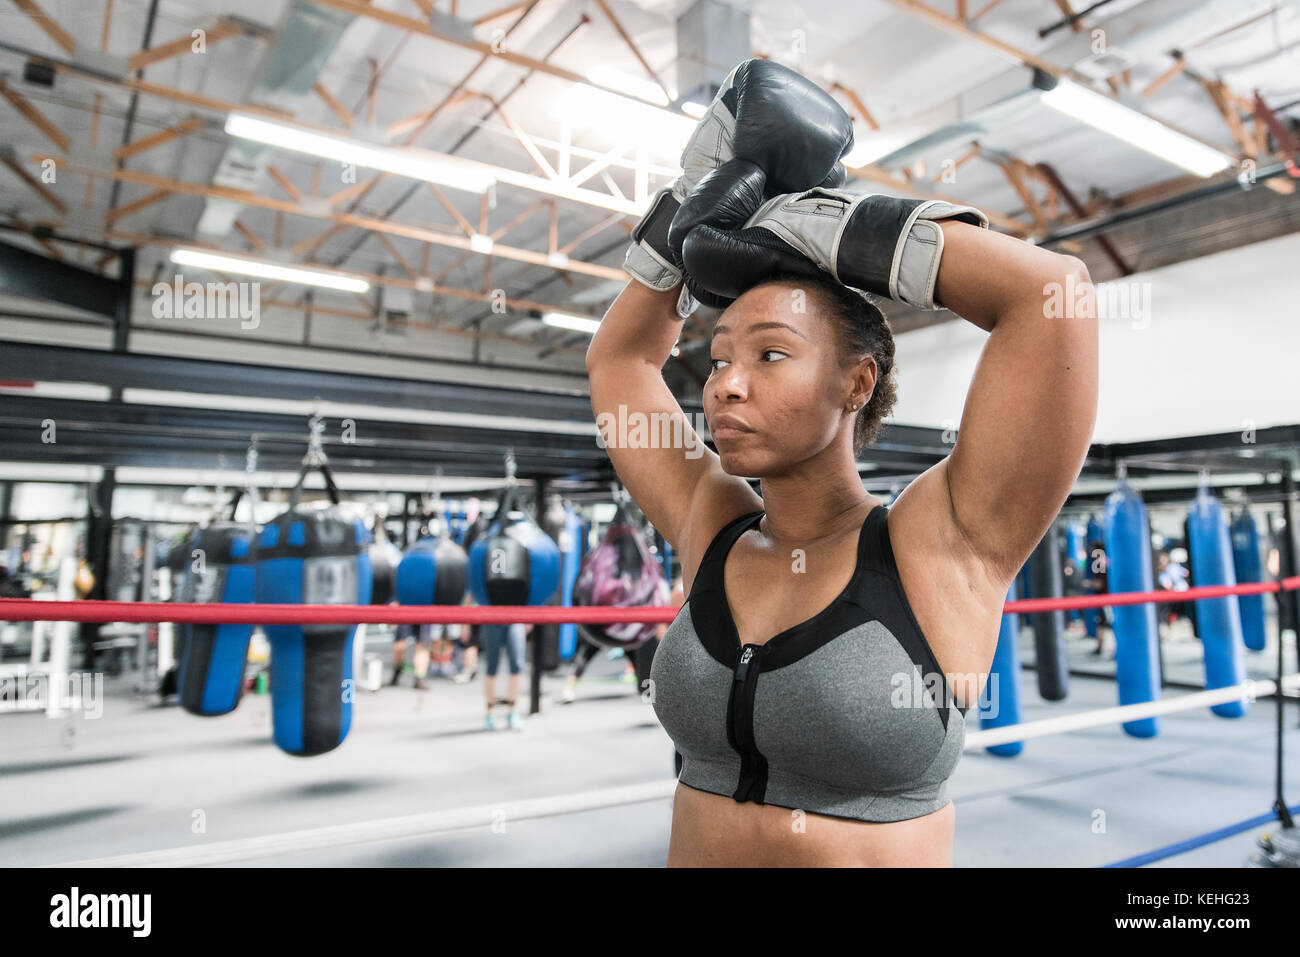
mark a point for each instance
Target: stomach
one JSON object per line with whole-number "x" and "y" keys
{"x": 712, "y": 830}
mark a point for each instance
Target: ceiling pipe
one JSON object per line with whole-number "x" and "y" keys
{"x": 1095, "y": 226}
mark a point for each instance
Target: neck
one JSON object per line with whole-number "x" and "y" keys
{"x": 820, "y": 498}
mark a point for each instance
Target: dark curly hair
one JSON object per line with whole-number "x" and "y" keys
{"x": 863, "y": 330}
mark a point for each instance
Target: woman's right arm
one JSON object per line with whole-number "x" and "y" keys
{"x": 675, "y": 478}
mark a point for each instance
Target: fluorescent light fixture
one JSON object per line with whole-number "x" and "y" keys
{"x": 562, "y": 320}
{"x": 662, "y": 130}
{"x": 694, "y": 110}
{"x": 203, "y": 259}
{"x": 417, "y": 164}
{"x": 642, "y": 89}
{"x": 481, "y": 243}
{"x": 1147, "y": 134}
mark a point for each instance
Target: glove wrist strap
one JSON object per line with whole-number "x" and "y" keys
{"x": 649, "y": 258}
{"x": 893, "y": 247}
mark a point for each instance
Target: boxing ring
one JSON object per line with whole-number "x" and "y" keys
{"x": 485, "y": 815}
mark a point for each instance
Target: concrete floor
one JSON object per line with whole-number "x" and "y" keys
{"x": 139, "y": 778}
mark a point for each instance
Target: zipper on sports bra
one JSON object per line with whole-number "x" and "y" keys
{"x": 740, "y": 727}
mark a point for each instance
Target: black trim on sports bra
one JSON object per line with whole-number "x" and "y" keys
{"x": 716, "y": 627}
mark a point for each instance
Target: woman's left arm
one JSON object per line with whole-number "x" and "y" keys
{"x": 1032, "y": 404}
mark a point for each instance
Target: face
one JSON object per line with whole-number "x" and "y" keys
{"x": 779, "y": 393}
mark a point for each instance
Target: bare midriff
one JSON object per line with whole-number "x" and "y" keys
{"x": 712, "y": 830}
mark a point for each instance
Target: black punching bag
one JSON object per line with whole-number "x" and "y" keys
{"x": 384, "y": 558}
{"x": 548, "y": 636}
{"x": 1049, "y": 626}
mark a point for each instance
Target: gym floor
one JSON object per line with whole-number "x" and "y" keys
{"x": 145, "y": 778}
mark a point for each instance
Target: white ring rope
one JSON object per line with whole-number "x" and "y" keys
{"x": 488, "y": 815}
{"x": 1246, "y": 691}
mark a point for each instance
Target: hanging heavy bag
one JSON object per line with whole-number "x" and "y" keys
{"x": 515, "y": 562}
{"x": 313, "y": 555}
{"x": 620, "y": 572}
{"x": 210, "y": 675}
{"x": 384, "y": 558}
{"x": 433, "y": 572}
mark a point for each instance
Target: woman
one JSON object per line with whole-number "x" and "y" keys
{"x": 779, "y": 681}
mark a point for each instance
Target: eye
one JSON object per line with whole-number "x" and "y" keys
{"x": 774, "y": 352}
{"x": 714, "y": 363}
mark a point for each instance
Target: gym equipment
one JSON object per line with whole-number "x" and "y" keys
{"x": 384, "y": 557}
{"x": 1128, "y": 556}
{"x": 620, "y": 571}
{"x": 1093, "y": 533}
{"x": 1218, "y": 619}
{"x": 1049, "y": 626}
{"x": 313, "y": 555}
{"x": 766, "y": 114}
{"x": 434, "y": 571}
{"x": 884, "y": 245}
{"x": 1249, "y": 567}
{"x": 1076, "y": 556}
{"x": 999, "y": 705}
{"x": 567, "y": 536}
{"x": 549, "y": 639}
{"x": 474, "y": 531}
{"x": 210, "y": 676}
{"x": 515, "y": 562}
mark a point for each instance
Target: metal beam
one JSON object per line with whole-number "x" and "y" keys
{"x": 24, "y": 273}
{"x": 135, "y": 370}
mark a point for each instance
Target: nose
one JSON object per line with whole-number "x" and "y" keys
{"x": 729, "y": 385}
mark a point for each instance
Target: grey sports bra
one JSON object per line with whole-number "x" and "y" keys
{"x": 847, "y": 714}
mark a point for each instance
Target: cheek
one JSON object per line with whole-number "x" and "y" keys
{"x": 805, "y": 407}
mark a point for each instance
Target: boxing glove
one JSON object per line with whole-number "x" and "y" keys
{"x": 885, "y": 245}
{"x": 764, "y": 113}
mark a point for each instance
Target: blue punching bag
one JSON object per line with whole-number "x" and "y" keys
{"x": 1075, "y": 556}
{"x": 210, "y": 676}
{"x": 570, "y": 546}
{"x": 515, "y": 562}
{"x": 1249, "y": 568}
{"x": 1218, "y": 619}
{"x": 1092, "y": 533}
{"x": 1128, "y": 566}
{"x": 314, "y": 555}
{"x": 433, "y": 571}
{"x": 999, "y": 703}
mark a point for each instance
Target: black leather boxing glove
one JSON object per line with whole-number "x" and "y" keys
{"x": 883, "y": 245}
{"x": 764, "y": 113}
{"x": 724, "y": 199}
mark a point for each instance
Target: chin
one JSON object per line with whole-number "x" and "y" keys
{"x": 745, "y": 464}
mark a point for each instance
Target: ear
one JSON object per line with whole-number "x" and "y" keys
{"x": 864, "y": 376}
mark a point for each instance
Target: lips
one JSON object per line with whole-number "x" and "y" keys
{"x": 728, "y": 427}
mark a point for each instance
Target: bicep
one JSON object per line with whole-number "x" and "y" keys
{"x": 1025, "y": 430}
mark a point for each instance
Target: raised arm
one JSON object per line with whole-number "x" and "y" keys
{"x": 1032, "y": 404}
{"x": 659, "y": 456}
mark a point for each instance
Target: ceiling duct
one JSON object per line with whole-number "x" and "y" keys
{"x": 301, "y": 46}
{"x": 712, "y": 38}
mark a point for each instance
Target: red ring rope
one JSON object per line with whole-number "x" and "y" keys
{"x": 26, "y": 609}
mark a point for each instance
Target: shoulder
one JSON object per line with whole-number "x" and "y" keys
{"x": 714, "y": 507}
{"x": 925, "y": 533}
{"x": 955, "y": 596}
